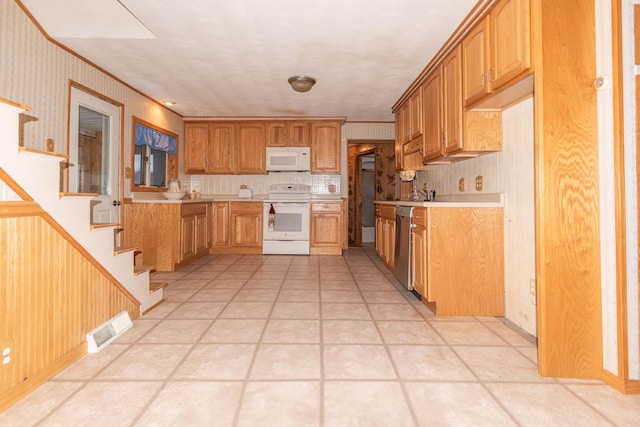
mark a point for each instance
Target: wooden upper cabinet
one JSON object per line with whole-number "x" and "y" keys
{"x": 220, "y": 148}
{"x": 196, "y": 141}
{"x": 415, "y": 115}
{"x": 406, "y": 122}
{"x": 475, "y": 62}
{"x": 432, "y": 110}
{"x": 511, "y": 40}
{"x": 288, "y": 134}
{"x": 452, "y": 102}
{"x": 299, "y": 134}
{"x": 277, "y": 134}
{"x": 496, "y": 50}
{"x": 325, "y": 147}
{"x": 250, "y": 154}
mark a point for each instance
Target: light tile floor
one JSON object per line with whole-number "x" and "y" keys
{"x": 305, "y": 341}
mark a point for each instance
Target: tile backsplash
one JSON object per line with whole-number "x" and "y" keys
{"x": 444, "y": 178}
{"x": 230, "y": 184}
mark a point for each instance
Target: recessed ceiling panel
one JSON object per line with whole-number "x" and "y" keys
{"x": 99, "y": 19}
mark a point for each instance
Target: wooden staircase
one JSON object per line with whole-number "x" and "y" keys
{"x": 32, "y": 170}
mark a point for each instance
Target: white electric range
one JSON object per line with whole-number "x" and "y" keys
{"x": 287, "y": 232}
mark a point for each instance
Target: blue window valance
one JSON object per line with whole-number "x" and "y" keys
{"x": 155, "y": 139}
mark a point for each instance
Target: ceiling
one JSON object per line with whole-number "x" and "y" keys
{"x": 233, "y": 58}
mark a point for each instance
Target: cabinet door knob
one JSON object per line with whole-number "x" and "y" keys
{"x": 482, "y": 76}
{"x": 489, "y": 75}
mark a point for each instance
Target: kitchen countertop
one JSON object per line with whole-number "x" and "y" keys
{"x": 491, "y": 200}
{"x": 158, "y": 198}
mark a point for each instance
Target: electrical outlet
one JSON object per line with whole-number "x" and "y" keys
{"x": 532, "y": 291}
{"x": 7, "y": 356}
{"x": 479, "y": 183}
{"x": 461, "y": 185}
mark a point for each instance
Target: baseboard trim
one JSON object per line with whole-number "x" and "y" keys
{"x": 24, "y": 388}
{"x": 620, "y": 384}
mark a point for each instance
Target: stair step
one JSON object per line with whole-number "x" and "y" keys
{"x": 23, "y": 149}
{"x": 122, "y": 249}
{"x": 143, "y": 269}
{"x": 63, "y": 194}
{"x": 154, "y": 285}
{"x": 104, "y": 225}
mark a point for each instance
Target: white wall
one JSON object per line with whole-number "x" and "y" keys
{"x": 510, "y": 172}
{"x": 36, "y": 73}
{"x": 7, "y": 194}
{"x": 630, "y": 71}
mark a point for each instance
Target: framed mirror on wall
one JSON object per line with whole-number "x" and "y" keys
{"x": 155, "y": 156}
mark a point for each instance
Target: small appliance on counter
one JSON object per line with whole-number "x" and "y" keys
{"x": 174, "y": 192}
{"x": 244, "y": 192}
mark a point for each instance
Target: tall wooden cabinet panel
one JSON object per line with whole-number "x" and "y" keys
{"x": 325, "y": 147}
{"x": 250, "y": 155}
{"x": 452, "y": 101}
{"x": 195, "y": 149}
{"x": 187, "y": 240}
{"x": 419, "y": 253}
{"x": 220, "y": 148}
{"x": 432, "y": 109}
{"x": 386, "y": 234}
{"x": 202, "y": 234}
{"x": 219, "y": 224}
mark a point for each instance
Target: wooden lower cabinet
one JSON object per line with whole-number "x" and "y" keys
{"x": 458, "y": 260}
{"x": 419, "y": 253}
{"x": 170, "y": 235}
{"x": 386, "y": 234}
{"x": 326, "y": 229}
{"x": 187, "y": 238}
{"x": 236, "y": 227}
{"x": 219, "y": 228}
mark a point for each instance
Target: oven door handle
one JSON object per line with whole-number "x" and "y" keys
{"x": 288, "y": 205}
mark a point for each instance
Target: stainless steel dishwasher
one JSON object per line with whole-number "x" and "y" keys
{"x": 402, "y": 254}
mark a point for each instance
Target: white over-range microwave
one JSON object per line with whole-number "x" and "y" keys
{"x": 288, "y": 159}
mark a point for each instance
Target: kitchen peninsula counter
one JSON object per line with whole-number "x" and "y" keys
{"x": 492, "y": 200}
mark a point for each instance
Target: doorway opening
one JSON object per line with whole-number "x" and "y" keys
{"x": 94, "y": 148}
{"x": 372, "y": 177}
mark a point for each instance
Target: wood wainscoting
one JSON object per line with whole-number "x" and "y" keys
{"x": 51, "y": 295}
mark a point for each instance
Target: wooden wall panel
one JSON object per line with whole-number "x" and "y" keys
{"x": 155, "y": 229}
{"x": 567, "y": 202}
{"x": 636, "y": 26}
{"x": 50, "y": 297}
{"x": 473, "y": 238}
